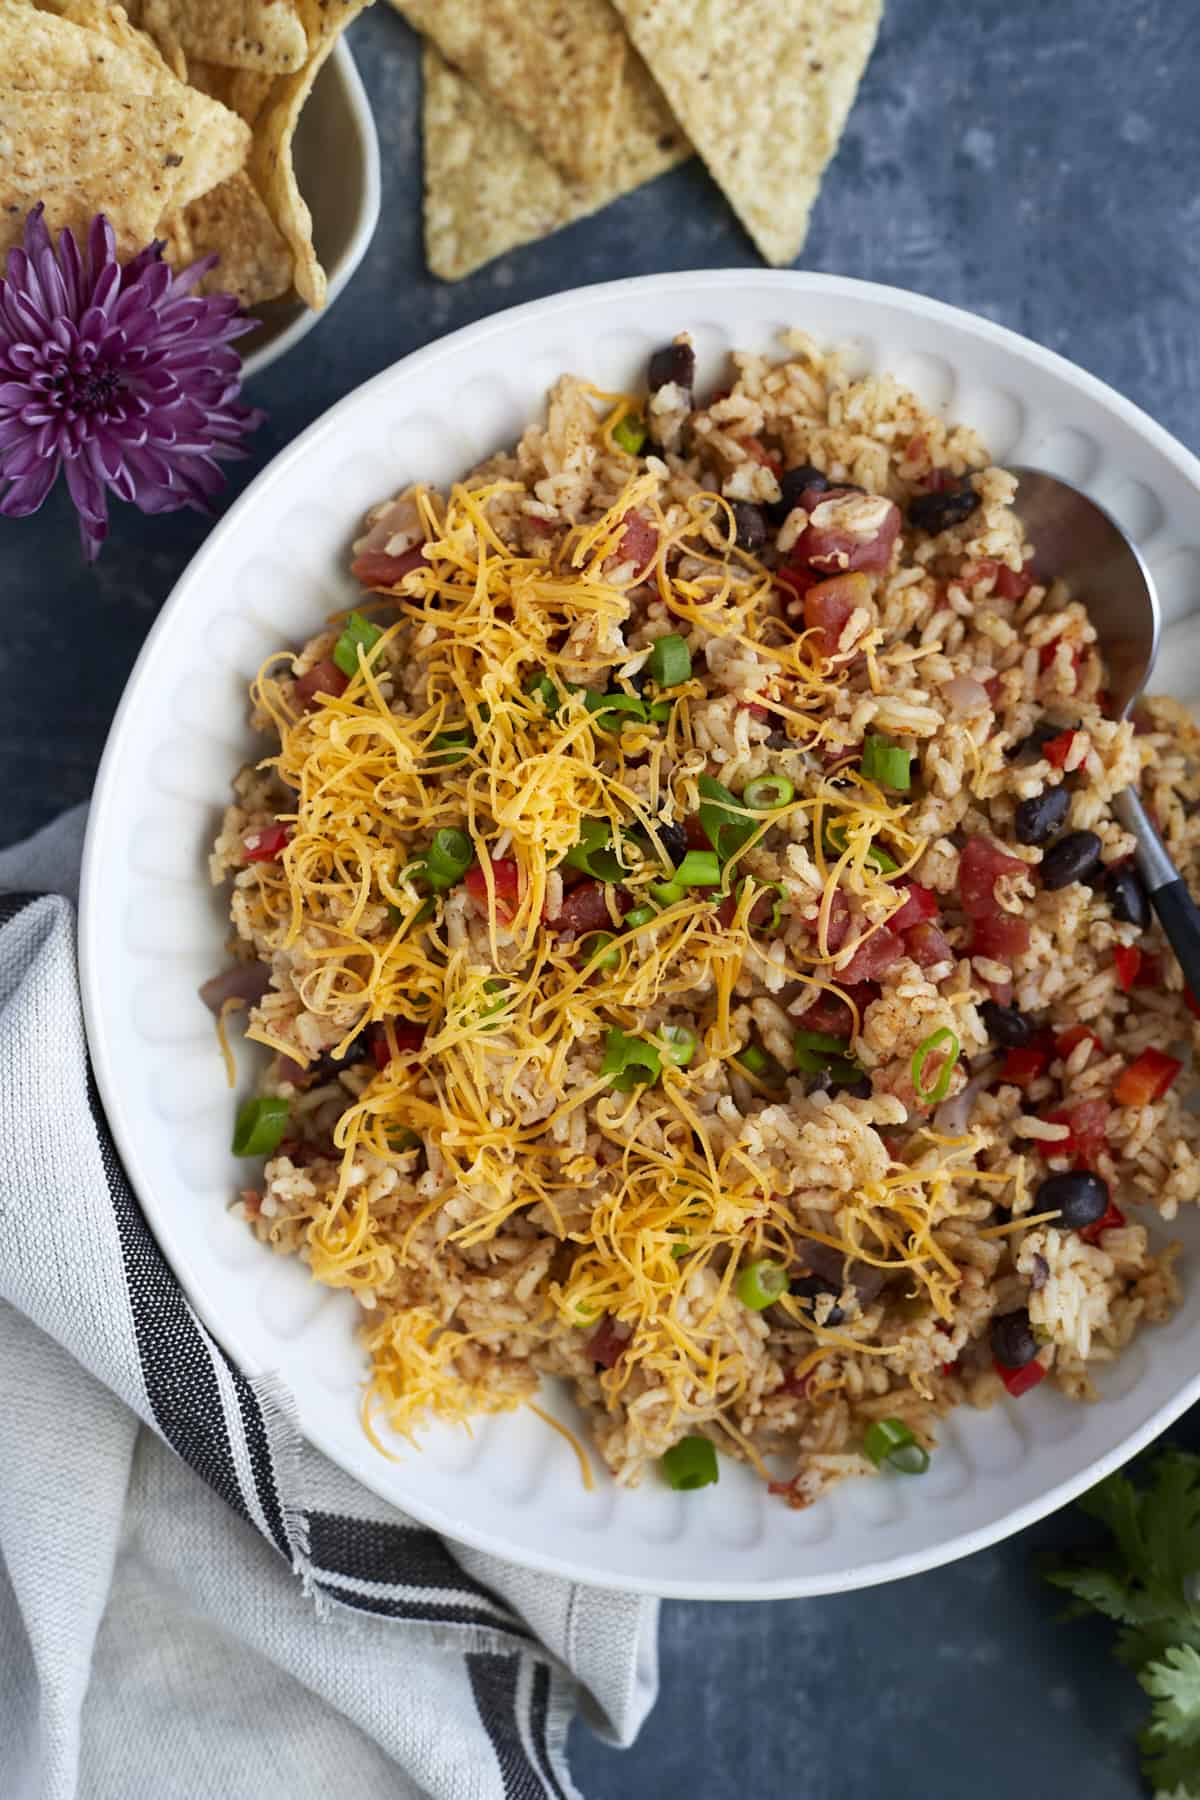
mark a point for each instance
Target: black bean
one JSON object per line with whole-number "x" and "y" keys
{"x": 811, "y": 1287}
{"x": 1127, "y": 897}
{"x": 328, "y": 1065}
{"x": 1040, "y": 817}
{"x": 819, "y": 1083}
{"x": 1007, "y": 1026}
{"x": 937, "y": 512}
{"x": 674, "y": 840}
{"x": 1073, "y": 858}
{"x": 793, "y": 483}
{"x": 1079, "y": 1197}
{"x": 859, "y": 1090}
{"x": 1013, "y": 1342}
{"x": 777, "y": 740}
{"x": 751, "y": 525}
{"x": 674, "y": 362}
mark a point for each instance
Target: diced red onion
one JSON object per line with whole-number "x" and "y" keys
{"x": 246, "y": 981}
{"x": 965, "y": 695}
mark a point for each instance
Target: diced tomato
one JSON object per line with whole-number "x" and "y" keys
{"x": 1113, "y": 1219}
{"x": 323, "y": 678}
{"x": 927, "y": 945}
{"x": 920, "y": 903}
{"x": 506, "y": 878}
{"x": 829, "y": 1013}
{"x": 697, "y": 838}
{"x": 874, "y": 957}
{"x": 793, "y": 581}
{"x": 829, "y": 543}
{"x": 828, "y": 606}
{"x": 375, "y": 569}
{"x": 758, "y": 915}
{"x": 1127, "y": 960}
{"x": 639, "y": 541}
{"x": 938, "y": 480}
{"x": 1086, "y": 1130}
{"x": 584, "y": 908}
{"x": 980, "y": 866}
{"x": 1022, "y": 1067}
{"x": 606, "y": 1345}
{"x": 1191, "y": 1002}
{"x": 1019, "y": 1381}
{"x": 1011, "y": 586}
{"x": 1048, "y": 652}
{"x": 755, "y": 710}
{"x": 999, "y": 937}
{"x": 1066, "y": 1041}
{"x": 267, "y": 845}
{"x": 1057, "y": 749}
{"x": 1146, "y": 1079}
{"x": 409, "y": 1038}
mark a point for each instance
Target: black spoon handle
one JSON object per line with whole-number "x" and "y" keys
{"x": 1177, "y": 911}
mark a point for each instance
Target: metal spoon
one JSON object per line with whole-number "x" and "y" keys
{"x": 1077, "y": 541}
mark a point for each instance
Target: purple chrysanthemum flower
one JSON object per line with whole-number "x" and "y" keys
{"x": 119, "y": 375}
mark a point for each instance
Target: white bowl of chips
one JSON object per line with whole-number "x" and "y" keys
{"x": 189, "y": 122}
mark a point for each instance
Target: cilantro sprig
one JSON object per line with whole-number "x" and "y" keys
{"x": 1148, "y": 1584}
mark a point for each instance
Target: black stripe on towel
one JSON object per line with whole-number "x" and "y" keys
{"x": 494, "y": 1686}
{"x": 399, "y": 1556}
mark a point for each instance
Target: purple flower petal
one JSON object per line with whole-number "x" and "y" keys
{"x": 121, "y": 375}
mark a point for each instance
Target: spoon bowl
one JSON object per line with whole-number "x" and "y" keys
{"x": 1078, "y": 542}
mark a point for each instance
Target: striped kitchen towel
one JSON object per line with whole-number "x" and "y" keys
{"x": 193, "y": 1602}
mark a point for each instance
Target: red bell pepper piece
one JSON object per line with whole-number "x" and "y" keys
{"x": 1057, "y": 749}
{"x": 1086, "y": 1130}
{"x": 266, "y": 845}
{"x": 1146, "y": 1079}
{"x": 1112, "y": 1219}
{"x": 1066, "y": 1041}
{"x": 1022, "y": 1067}
{"x": 506, "y": 879}
{"x": 1127, "y": 960}
{"x": 1019, "y": 1381}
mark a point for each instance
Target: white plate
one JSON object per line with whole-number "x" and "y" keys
{"x": 152, "y": 930}
{"x": 337, "y": 168}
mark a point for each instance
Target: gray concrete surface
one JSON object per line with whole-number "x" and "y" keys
{"x": 1037, "y": 161}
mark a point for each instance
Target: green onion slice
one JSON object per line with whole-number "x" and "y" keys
{"x": 891, "y": 1441}
{"x": 356, "y": 632}
{"x": 668, "y": 892}
{"x": 768, "y": 791}
{"x": 640, "y": 915}
{"x": 678, "y": 1044}
{"x": 835, "y": 843}
{"x": 760, "y": 1284}
{"x": 400, "y": 1139}
{"x": 753, "y": 1059}
{"x": 630, "y": 433}
{"x": 691, "y": 1463}
{"x": 449, "y": 857}
{"x": 722, "y": 819}
{"x": 936, "y": 1041}
{"x": 840, "y": 1071}
{"x": 595, "y": 853}
{"x": 631, "y": 1062}
{"x": 699, "y": 868}
{"x": 450, "y": 747}
{"x": 885, "y": 762}
{"x": 670, "y": 661}
{"x": 599, "y": 950}
{"x": 612, "y": 711}
{"x": 260, "y": 1126}
{"x": 820, "y": 1040}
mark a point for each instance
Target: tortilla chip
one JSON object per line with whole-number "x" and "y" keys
{"x": 265, "y": 35}
{"x": 176, "y": 239}
{"x": 255, "y": 262}
{"x": 271, "y": 165}
{"x": 554, "y": 65}
{"x": 84, "y": 153}
{"x": 42, "y": 51}
{"x": 763, "y": 91}
{"x": 113, "y": 22}
{"x": 489, "y": 189}
{"x": 242, "y": 90}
